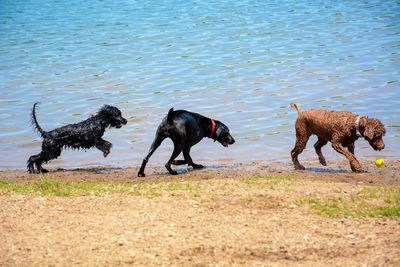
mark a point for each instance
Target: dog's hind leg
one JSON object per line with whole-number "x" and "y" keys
{"x": 40, "y": 168}
{"x": 31, "y": 163}
{"x": 45, "y": 156}
{"x": 318, "y": 145}
{"x": 301, "y": 142}
{"x": 156, "y": 143}
{"x": 302, "y": 136}
{"x": 177, "y": 150}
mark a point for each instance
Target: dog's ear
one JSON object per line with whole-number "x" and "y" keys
{"x": 369, "y": 132}
{"x": 374, "y": 128}
{"x": 104, "y": 109}
{"x": 220, "y": 129}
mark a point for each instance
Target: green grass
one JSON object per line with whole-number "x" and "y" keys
{"x": 47, "y": 186}
{"x": 367, "y": 201}
{"x": 372, "y": 202}
{"x": 54, "y": 187}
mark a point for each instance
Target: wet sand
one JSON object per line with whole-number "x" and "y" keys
{"x": 336, "y": 171}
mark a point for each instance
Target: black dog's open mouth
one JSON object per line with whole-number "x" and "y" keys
{"x": 225, "y": 144}
{"x": 119, "y": 124}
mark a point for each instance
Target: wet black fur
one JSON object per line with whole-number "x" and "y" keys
{"x": 186, "y": 129}
{"x": 82, "y": 135}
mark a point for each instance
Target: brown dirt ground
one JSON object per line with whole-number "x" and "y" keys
{"x": 231, "y": 225}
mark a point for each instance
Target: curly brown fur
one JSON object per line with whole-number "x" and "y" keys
{"x": 85, "y": 134}
{"x": 337, "y": 127}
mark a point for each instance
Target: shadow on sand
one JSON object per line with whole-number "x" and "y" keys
{"x": 190, "y": 169}
{"x": 88, "y": 170}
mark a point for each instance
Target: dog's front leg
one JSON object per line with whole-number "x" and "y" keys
{"x": 354, "y": 164}
{"x": 179, "y": 162}
{"x": 318, "y": 145}
{"x": 188, "y": 158}
{"x": 104, "y": 146}
{"x": 350, "y": 148}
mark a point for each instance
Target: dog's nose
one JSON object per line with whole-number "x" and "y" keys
{"x": 380, "y": 147}
{"x": 232, "y": 141}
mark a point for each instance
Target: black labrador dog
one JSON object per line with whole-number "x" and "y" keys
{"x": 185, "y": 130}
{"x": 82, "y": 135}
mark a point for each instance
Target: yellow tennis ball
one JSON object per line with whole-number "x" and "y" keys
{"x": 379, "y": 162}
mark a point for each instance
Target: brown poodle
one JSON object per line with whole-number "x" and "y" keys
{"x": 341, "y": 128}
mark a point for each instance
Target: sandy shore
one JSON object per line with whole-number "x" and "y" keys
{"x": 214, "y": 216}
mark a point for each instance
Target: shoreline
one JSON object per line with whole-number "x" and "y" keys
{"x": 339, "y": 170}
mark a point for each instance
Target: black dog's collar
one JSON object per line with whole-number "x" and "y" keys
{"x": 212, "y": 128}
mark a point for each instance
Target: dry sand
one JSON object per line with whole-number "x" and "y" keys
{"x": 225, "y": 220}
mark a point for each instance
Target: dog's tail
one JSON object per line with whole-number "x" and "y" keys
{"x": 170, "y": 116}
{"x": 296, "y": 106}
{"x": 35, "y": 122}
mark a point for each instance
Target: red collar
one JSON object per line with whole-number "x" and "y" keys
{"x": 212, "y": 128}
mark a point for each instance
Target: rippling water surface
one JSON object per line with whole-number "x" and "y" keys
{"x": 241, "y": 62}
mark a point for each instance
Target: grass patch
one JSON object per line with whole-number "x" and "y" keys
{"x": 55, "y": 187}
{"x": 176, "y": 188}
{"x": 252, "y": 191}
{"x": 47, "y": 186}
{"x": 373, "y": 202}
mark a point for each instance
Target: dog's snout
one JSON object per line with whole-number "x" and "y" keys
{"x": 124, "y": 121}
{"x": 378, "y": 146}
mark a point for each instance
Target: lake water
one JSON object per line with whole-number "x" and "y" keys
{"x": 241, "y": 62}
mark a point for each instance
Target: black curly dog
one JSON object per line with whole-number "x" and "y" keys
{"x": 85, "y": 134}
{"x": 186, "y": 129}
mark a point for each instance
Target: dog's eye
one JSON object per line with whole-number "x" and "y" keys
{"x": 224, "y": 135}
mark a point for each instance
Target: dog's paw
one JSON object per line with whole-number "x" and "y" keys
{"x": 43, "y": 171}
{"x": 105, "y": 154}
{"x": 299, "y": 167}
{"x": 172, "y": 172}
{"x": 197, "y": 166}
{"x": 323, "y": 162}
{"x": 141, "y": 174}
{"x": 356, "y": 167}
